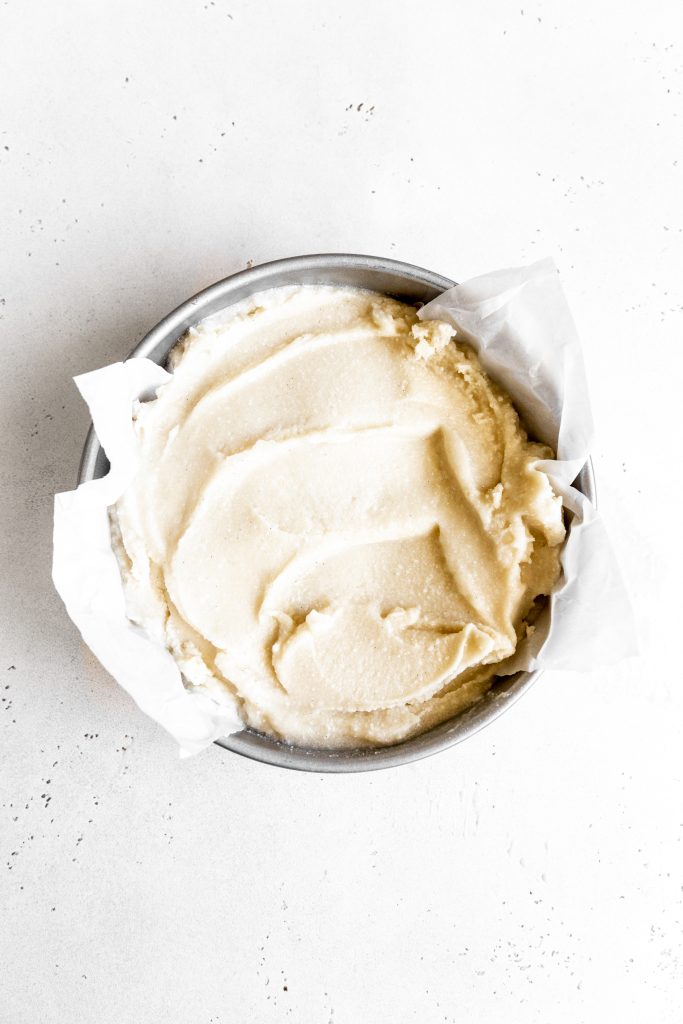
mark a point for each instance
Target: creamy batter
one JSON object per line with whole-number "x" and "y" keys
{"x": 337, "y": 520}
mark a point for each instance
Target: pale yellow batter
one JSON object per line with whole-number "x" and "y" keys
{"x": 337, "y": 518}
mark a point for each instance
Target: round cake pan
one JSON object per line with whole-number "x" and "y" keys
{"x": 409, "y": 284}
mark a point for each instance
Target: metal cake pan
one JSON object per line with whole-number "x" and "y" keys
{"x": 409, "y": 284}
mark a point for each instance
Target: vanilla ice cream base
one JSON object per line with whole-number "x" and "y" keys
{"x": 337, "y": 521}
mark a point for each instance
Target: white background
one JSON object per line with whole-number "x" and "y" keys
{"x": 151, "y": 147}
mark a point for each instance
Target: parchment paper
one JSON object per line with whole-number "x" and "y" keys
{"x": 519, "y": 323}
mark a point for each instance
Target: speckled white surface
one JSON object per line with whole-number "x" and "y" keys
{"x": 147, "y": 149}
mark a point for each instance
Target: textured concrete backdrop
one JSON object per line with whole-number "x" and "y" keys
{"x": 147, "y": 149}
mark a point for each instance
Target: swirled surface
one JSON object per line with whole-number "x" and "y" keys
{"x": 338, "y": 521}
